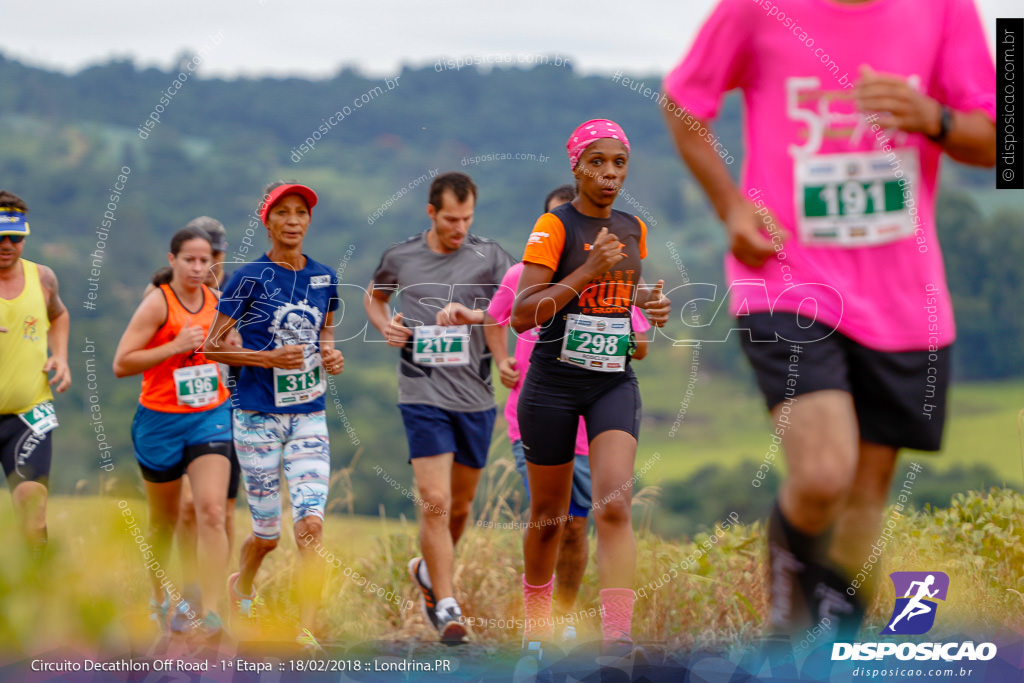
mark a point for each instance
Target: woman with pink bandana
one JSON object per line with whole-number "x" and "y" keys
{"x": 581, "y": 274}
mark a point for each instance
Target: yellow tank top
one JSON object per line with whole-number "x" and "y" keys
{"x": 23, "y": 384}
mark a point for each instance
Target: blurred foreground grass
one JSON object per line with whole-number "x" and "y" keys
{"x": 91, "y": 593}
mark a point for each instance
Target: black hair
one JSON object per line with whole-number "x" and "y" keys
{"x": 162, "y": 276}
{"x": 9, "y": 199}
{"x": 459, "y": 183}
{"x": 186, "y": 234}
{"x": 565, "y": 192}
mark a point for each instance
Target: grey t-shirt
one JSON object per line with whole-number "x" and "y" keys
{"x": 426, "y": 282}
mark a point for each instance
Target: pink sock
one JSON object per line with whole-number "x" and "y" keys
{"x": 537, "y": 612}
{"x": 617, "y": 615}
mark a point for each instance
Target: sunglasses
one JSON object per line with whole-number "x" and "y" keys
{"x": 15, "y": 239}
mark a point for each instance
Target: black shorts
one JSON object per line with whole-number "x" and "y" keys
{"x": 190, "y": 453}
{"x": 550, "y": 408}
{"x": 899, "y": 397}
{"x": 236, "y": 471}
{"x": 25, "y": 456}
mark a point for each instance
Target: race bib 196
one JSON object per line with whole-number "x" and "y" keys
{"x": 197, "y": 385}
{"x": 446, "y": 345}
{"x": 41, "y": 418}
{"x": 292, "y": 387}
{"x": 596, "y": 343}
{"x": 856, "y": 199}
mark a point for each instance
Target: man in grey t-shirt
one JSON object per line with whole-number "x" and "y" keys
{"x": 445, "y": 277}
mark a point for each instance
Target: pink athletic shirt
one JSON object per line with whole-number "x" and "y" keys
{"x": 857, "y": 201}
{"x": 500, "y": 309}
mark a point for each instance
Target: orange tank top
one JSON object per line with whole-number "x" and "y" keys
{"x": 186, "y": 382}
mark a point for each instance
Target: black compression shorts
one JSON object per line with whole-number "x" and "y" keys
{"x": 550, "y": 407}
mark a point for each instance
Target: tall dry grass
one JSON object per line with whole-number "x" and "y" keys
{"x": 91, "y": 592}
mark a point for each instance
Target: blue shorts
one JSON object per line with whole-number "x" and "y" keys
{"x": 579, "y": 503}
{"x": 432, "y": 431}
{"x": 165, "y": 443}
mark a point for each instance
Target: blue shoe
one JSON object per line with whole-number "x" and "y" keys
{"x": 207, "y": 636}
{"x": 158, "y": 612}
{"x": 248, "y": 607}
{"x": 180, "y": 619}
{"x": 212, "y": 626}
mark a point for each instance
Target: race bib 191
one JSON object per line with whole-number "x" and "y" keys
{"x": 856, "y": 199}
{"x": 446, "y": 345}
{"x": 595, "y": 343}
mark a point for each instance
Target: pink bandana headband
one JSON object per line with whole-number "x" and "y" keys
{"x": 591, "y": 131}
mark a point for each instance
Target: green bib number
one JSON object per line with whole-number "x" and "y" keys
{"x": 852, "y": 198}
{"x": 41, "y": 418}
{"x": 292, "y": 387}
{"x": 300, "y": 381}
{"x": 197, "y": 385}
{"x": 856, "y": 199}
{"x": 595, "y": 343}
{"x": 441, "y": 345}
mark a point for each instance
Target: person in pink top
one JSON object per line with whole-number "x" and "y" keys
{"x": 834, "y": 265}
{"x": 573, "y": 547}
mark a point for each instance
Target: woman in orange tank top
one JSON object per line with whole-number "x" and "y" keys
{"x": 183, "y": 424}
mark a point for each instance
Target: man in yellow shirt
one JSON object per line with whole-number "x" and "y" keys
{"x": 33, "y": 321}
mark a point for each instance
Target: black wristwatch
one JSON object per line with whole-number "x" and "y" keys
{"x": 945, "y": 124}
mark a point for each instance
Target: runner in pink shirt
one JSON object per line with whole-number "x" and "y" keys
{"x": 835, "y": 268}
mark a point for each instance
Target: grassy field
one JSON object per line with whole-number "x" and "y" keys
{"x": 91, "y": 593}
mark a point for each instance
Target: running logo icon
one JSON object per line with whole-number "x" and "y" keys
{"x": 914, "y": 612}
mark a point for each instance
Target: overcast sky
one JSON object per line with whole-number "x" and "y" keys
{"x": 314, "y": 38}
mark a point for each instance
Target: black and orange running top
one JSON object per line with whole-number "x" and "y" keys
{"x": 560, "y": 240}
{"x": 185, "y": 382}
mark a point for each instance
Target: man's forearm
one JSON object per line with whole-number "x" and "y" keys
{"x": 57, "y": 336}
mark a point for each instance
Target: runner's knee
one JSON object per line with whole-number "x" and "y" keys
{"x": 547, "y": 514}
{"x": 436, "y": 503}
{"x": 208, "y": 513}
{"x": 187, "y": 514}
{"x": 29, "y": 496}
{"x": 614, "y": 512}
{"x": 309, "y": 530}
{"x": 461, "y": 508}
{"x": 828, "y": 482}
{"x": 575, "y": 530}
